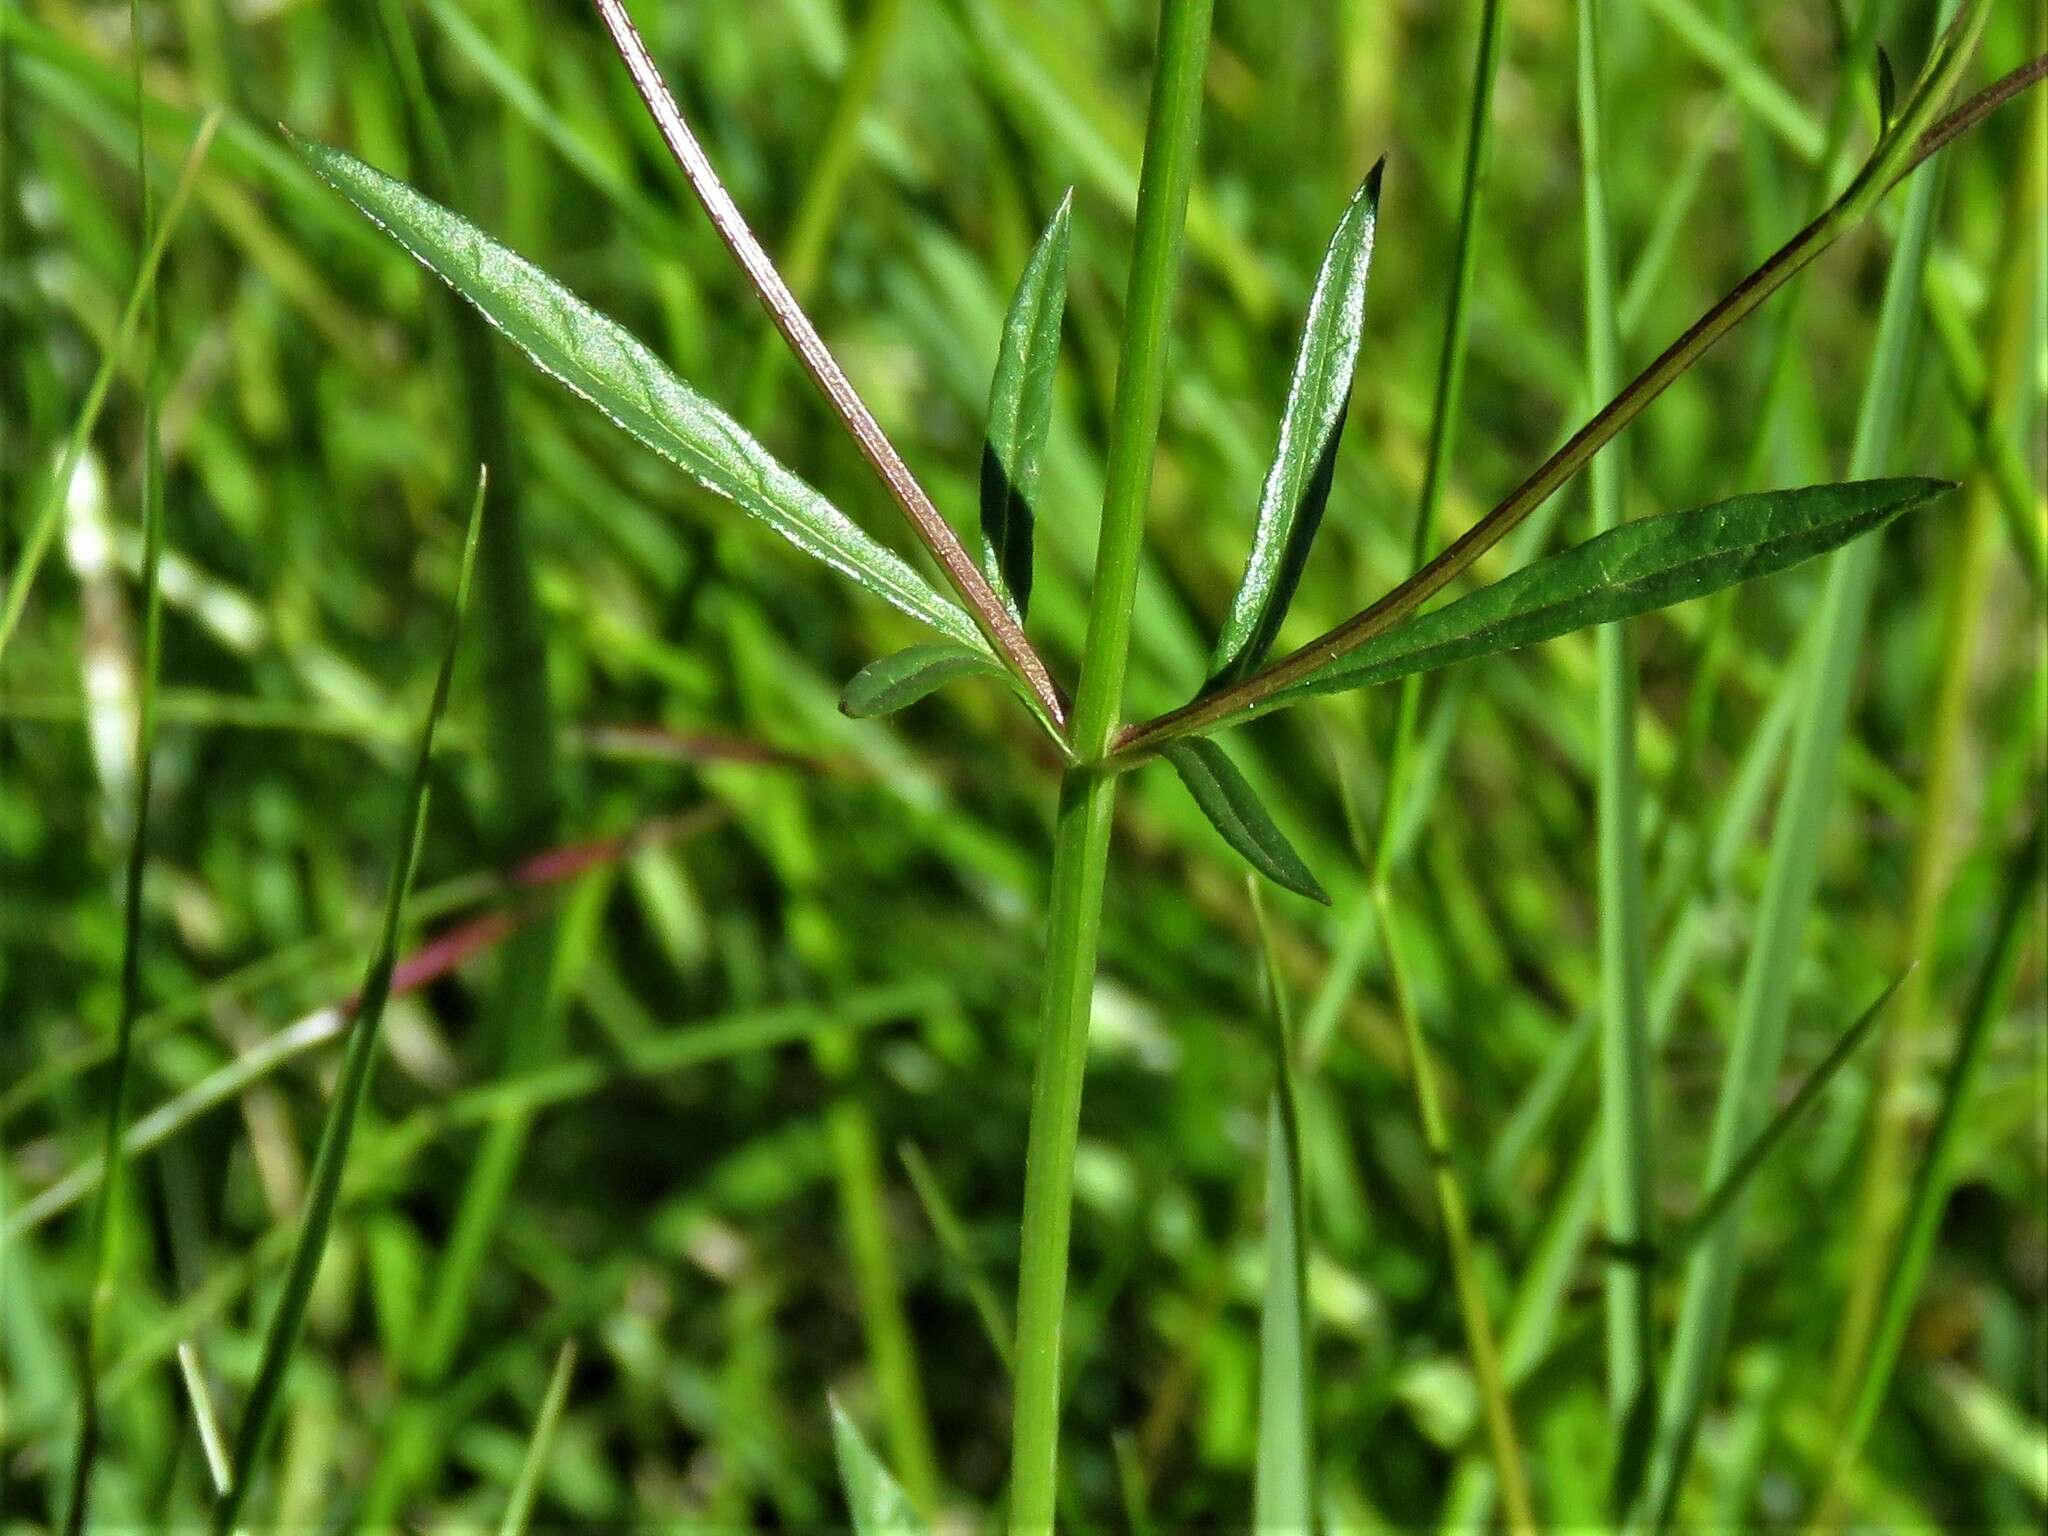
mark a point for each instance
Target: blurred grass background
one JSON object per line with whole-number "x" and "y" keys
{"x": 764, "y": 1134}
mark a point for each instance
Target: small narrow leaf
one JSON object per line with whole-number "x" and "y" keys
{"x": 519, "y": 1507}
{"x": 601, "y": 361}
{"x": 1650, "y": 563}
{"x": 1227, "y": 800}
{"x": 885, "y": 686}
{"x": 878, "y": 1506}
{"x": 1298, "y": 483}
{"x": 1887, "y": 91}
{"x": 1020, "y": 411}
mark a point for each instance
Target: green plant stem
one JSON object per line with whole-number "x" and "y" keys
{"x": 1450, "y": 391}
{"x": 1625, "y": 1112}
{"x": 106, "y": 1218}
{"x": 1759, "y": 1032}
{"x": 1913, "y": 138}
{"x": 1087, "y": 794}
{"x": 1494, "y": 1407}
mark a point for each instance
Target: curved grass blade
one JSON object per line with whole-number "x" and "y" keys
{"x": 1649, "y": 563}
{"x": 519, "y": 1508}
{"x": 1298, "y": 483}
{"x": 281, "y": 1339}
{"x": 894, "y": 682}
{"x": 1020, "y": 411}
{"x": 605, "y": 364}
{"x": 1283, "y": 1482}
{"x": 878, "y": 1506}
{"x": 1234, "y": 811}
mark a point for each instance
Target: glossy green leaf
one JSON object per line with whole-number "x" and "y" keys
{"x": 1234, "y": 811}
{"x": 896, "y": 681}
{"x": 1020, "y": 411}
{"x": 601, "y": 361}
{"x": 878, "y": 1506}
{"x": 1298, "y": 483}
{"x": 1650, "y": 563}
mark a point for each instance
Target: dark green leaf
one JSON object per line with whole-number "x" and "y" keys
{"x": 1298, "y": 484}
{"x": 885, "y": 686}
{"x": 601, "y": 361}
{"x": 1227, "y": 800}
{"x": 1650, "y": 563}
{"x": 1020, "y": 411}
{"x": 878, "y": 1506}
{"x": 1887, "y": 91}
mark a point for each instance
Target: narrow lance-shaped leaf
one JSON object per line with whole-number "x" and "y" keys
{"x": 885, "y": 686}
{"x": 1649, "y": 563}
{"x": 1298, "y": 484}
{"x": 1234, "y": 811}
{"x": 1020, "y": 411}
{"x": 323, "y": 1193}
{"x": 601, "y": 361}
{"x": 879, "y": 1506}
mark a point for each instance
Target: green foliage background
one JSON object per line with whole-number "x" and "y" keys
{"x": 730, "y": 1239}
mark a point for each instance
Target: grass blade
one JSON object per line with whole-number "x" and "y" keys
{"x": 952, "y": 1238}
{"x": 601, "y": 361}
{"x": 1627, "y": 1139}
{"x": 1298, "y": 483}
{"x": 1020, "y": 411}
{"x": 1758, "y": 1040}
{"x": 519, "y": 1508}
{"x": 1234, "y": 810}
{"x": 281, "y": 1339}
{"x": 1283, "y": 1482}
{"x": 878, "y": 1506}
{"x": 900, "y": 680}
{"x": 1643, "y": 565}
{"x": 1935, "y": 1176}
{"x": 212, "y": 1444}
{"x": 107, "y": 1213}
{"x": 44, "y": 526}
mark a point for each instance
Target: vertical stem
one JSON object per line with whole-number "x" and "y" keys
{"x": 1624, "y": 1028}
{"x": 1450, "y": 1199}
{"x": 1088, "y": 796}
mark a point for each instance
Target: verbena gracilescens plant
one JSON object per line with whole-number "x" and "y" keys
{"x": 1628, "y": 569}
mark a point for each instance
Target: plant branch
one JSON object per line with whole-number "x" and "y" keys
{"x": 933, "y": 531}
{"x": 1895, "y": 158}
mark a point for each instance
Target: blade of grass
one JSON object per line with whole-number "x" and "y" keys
{"x": 1484, "y": 1355}
{"x": 519, "y": 1507}
{"x": 1934, "y": 1178}
{"x": 1284, "y": 1479}
{"x": 1087, "y": 795}
{"x": 211, "y": 1442}
{"x": 878, "y": 1506}
{"x": 1914, "y": 137}
{"x": 1757, "y": 1044}
{"x": 952, "y": 1237}
{"x": 287, "y": 1321}
{"x": 991, "y": 616}
{"x": 106, "y": 1223}
{"x": 43, "y": 527}
{"x": 1628, "y": 1136}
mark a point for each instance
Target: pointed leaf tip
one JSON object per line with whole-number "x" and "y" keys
{"x": 874, "y": 1499}
{"x": 1235, "y": 811}
{"x": 1297, "y": 486}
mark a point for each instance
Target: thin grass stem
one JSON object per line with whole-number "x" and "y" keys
{"x": 519, "y": 1507}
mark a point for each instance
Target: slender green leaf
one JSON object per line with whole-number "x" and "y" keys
{"x": 211, "y": 1442}
{"x": 1298, "y": 483}
{"x": 1234, "y": 810}
{"x": 897, "y": 681}
{"x": 519, "y": 1508}
{"x": 601, "y": 361}
{"x": 1020, "y": 411}
{"x": 878, "y": 1506}
{"x": 952, "y": 1236}
{"x": 1283, "y": 1482}
{"x": 281, "y": 1339}
{"x": 1649, "y": 563}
